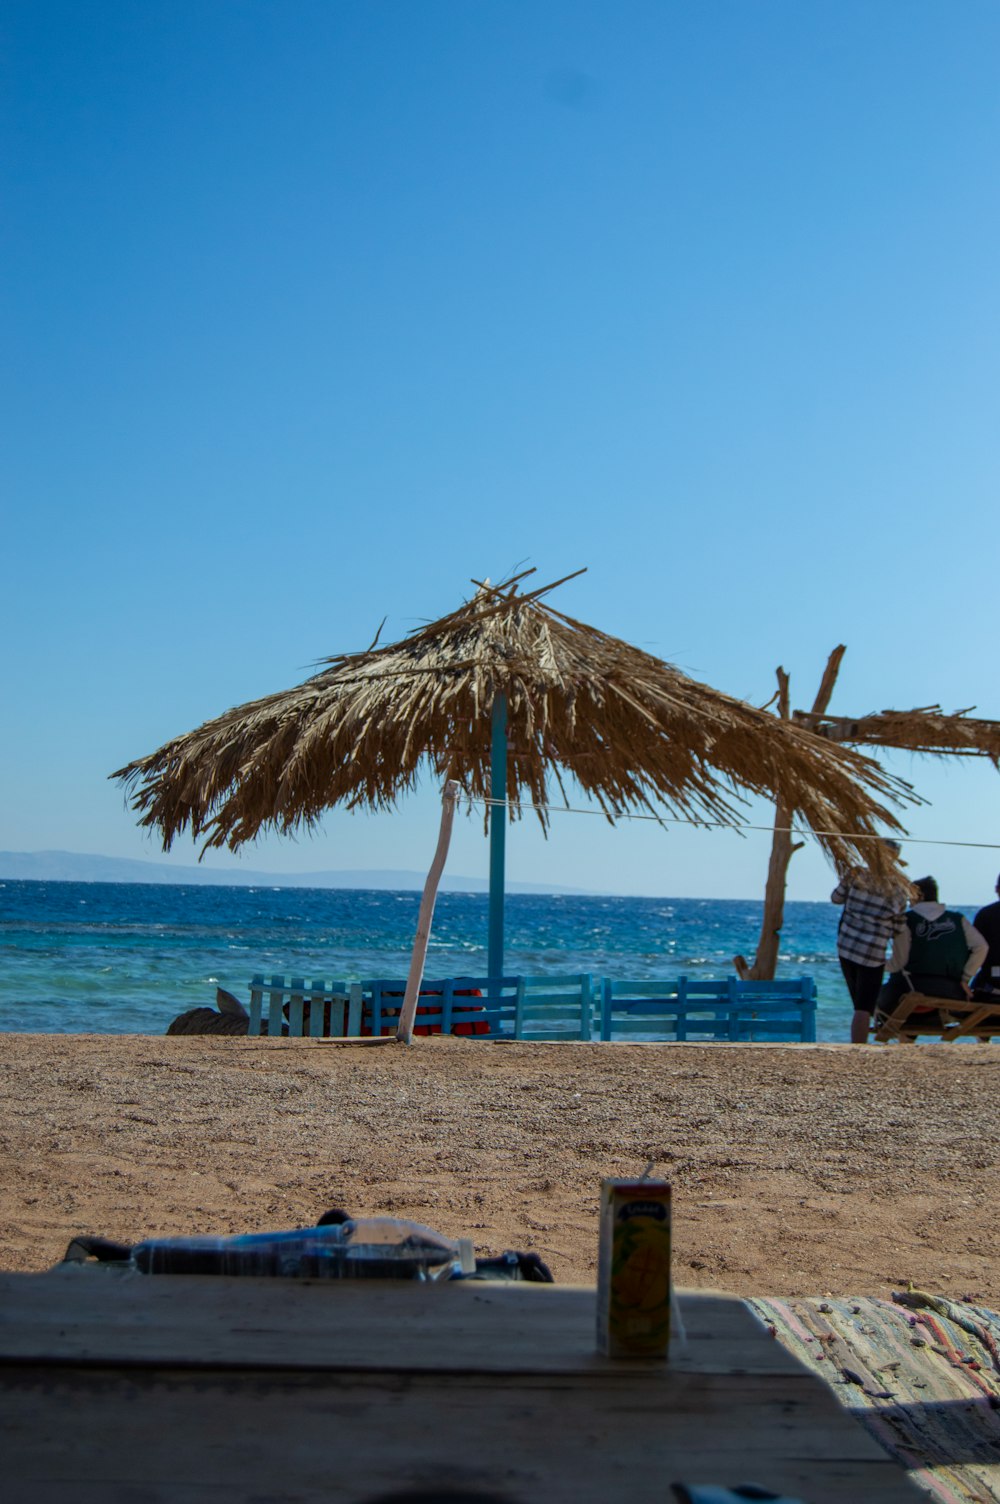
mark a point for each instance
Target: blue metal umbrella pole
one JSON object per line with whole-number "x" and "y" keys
{"x": 498, "y": 834}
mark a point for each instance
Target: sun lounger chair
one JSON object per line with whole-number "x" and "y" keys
{"x": 942, "y": 1018}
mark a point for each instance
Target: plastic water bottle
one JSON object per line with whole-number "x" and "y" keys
{"x": 360, "y": 1248}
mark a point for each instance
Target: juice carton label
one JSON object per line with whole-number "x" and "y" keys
{"x": 633, "y": 1276}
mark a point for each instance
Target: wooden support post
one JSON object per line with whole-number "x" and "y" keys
{"x": 782, "y": 846}
{"x": 408, "y": 1012}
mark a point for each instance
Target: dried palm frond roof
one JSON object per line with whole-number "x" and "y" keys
{"x": 930, "y": 730}
{"x": 632, "y": 731}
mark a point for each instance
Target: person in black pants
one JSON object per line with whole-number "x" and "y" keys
{"x": 987, "y": 981}
{"x": 873, "y": 914}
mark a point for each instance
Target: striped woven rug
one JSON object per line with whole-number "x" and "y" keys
{"x": 921, "y": 1373}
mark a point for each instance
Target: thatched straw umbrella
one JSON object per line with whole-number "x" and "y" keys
{"x": 506, "y": 695}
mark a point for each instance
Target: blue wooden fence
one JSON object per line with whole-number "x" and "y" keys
{"x": 574, "y": 1007}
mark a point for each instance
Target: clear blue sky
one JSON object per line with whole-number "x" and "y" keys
{"x": 313, "y": 311}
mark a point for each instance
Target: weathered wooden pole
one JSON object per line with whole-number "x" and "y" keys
{"x": 782, "y": 846}
{"x": 408, "y": 1012}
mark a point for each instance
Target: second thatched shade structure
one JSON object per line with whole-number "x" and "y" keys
{"x": 508, "y": 696}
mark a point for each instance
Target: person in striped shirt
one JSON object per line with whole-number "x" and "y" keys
{"x": 873, "y": 915}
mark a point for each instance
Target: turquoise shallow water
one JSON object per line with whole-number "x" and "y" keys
{"x": 123, "y": 958}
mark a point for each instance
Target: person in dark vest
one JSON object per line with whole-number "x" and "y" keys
{"x": 937, "y": 952}
{"x": 987, "y": 983}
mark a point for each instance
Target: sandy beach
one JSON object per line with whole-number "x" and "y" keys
{"x": 797, "y": 1170}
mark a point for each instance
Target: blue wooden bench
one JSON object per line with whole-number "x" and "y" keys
{"x": 555, "y": 1007}
{"x": 444, "y": 1006}
{"x": 728, "y": 1008}
{"x": 297, "y": 1008}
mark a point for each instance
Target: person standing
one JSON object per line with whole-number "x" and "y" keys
{"x": 987, "y": 922}
{"x": 872, "y": 918}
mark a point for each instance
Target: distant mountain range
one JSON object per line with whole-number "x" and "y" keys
{"x": 80, "y": 867}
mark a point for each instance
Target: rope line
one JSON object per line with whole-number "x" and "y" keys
{"x": 563, "y": 809}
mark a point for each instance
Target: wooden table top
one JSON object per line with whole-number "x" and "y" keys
{"x": 129, "y": 1389}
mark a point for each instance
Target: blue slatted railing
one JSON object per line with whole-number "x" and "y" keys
{"x": 573, "y": 1007}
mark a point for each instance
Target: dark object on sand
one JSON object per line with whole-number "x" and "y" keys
{"x": 440, "y": 1496}
{"x": 207, "y": 1021}
{"x": 103, "y": 1250}
{"x": 228, "y": 1017}
{"x": 714, "y": 1493}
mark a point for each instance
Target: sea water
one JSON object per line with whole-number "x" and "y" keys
{"x": 126, "y": 958}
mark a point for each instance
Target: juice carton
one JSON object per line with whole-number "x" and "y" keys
{"x": 633, "y": 1272}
